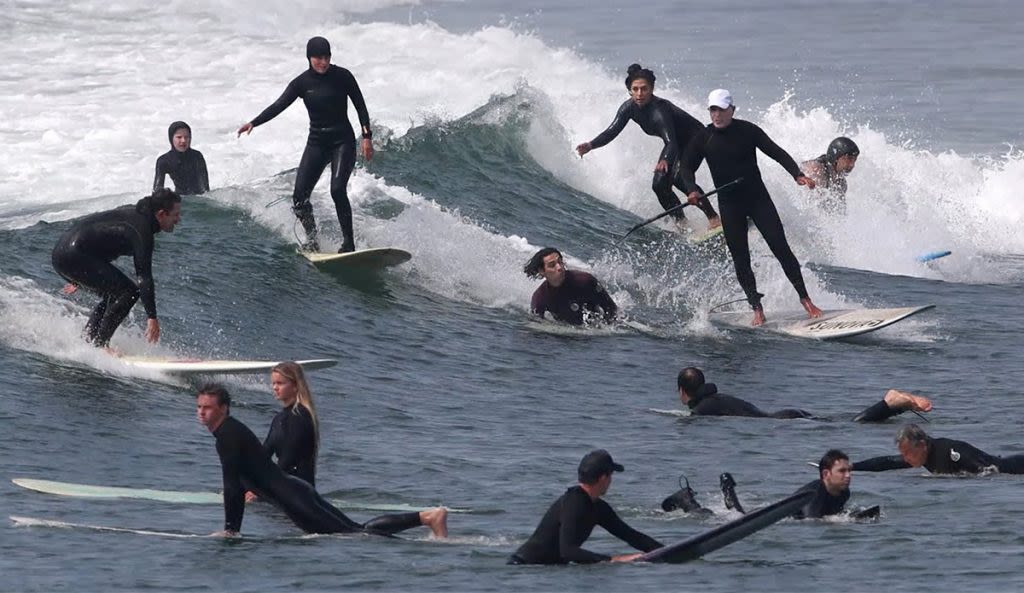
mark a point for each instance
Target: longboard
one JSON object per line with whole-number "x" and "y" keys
{"x": 364, "y": 259}
{"x": 33, "y": 522}
{"x": 115, "y": 492}
{"x": 843, "y": 323}
{"x": 723, "y": 535}
{"x": 190, "y": 366}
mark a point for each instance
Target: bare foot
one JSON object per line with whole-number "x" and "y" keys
{"x": 812, "y": 310}
{"x": 113, "y": 352}
{"x": 437, "y": 520}
{"x": 714, "y": 223}
{"x": 903, "y": 400}
{"x": 69, "y": 288}
{"x": 758, "y": 317}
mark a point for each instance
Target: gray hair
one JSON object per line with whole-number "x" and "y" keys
{"x": 911, "y": 433}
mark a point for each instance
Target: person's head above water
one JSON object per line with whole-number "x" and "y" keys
{"x": 547, "y": 264}
{"x": 213, "y": 404}
{"x": 180, "y": 136}
{"x": 164, "y": 205}
{"x": 640, "y": 83}
{"x": 288, "y": 382}
{"x": 595, "y": 472}
{"x": 835, "y": 471}
{"x": 912, "y": 442}
{"x": 689, "y": 381}
{"x": 842, "y": 153}
{"x": 721, "y": 107}
{"x": 318, "y": 53}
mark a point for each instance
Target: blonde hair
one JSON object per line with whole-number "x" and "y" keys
{"x": 292, "y": 371}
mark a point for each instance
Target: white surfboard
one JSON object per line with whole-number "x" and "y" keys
{"x": 33, "y": 522}
{"x": 364, "y": 259}
{"x": 179, "y": 497}
{"x": 831, "y": 325}
{"x": 196, "y": 366}
{"x": 707, "y": 235}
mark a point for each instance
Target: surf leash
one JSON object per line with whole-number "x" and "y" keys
{"x": 679, "y": 207}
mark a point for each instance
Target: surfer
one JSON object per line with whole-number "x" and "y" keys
{"x": 940, "y": 456}
{"x": 294, "y": 436}
{"x": 83, "y": 257}
{"x": 703, "y": 399}
{"x": 243, "y": 458}
{"x": 184, "y": 164}
{"x": 570, "y": 520}
{"x": 730, "y": 147}
{"x": 325, "y": 89}
{"x": 569, "y": 296}
{"x": 656, "y": 117}
{"x": 829, "y": 172}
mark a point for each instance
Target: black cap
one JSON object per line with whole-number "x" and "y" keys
{"x": 596, "y": 464}
{"x": 317, "y": 46}
{"x": 841, "y": 146}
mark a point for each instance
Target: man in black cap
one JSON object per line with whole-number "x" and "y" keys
{"x": 184, "y": 164}
{"x": 326, "y": 90}
{"x": 570, "y": 520}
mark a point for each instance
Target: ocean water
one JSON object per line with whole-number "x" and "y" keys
{"x": 445, "y": 393}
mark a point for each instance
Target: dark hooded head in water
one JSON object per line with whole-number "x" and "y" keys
{"x": 318, "y": 53}
{"x": 842, "y": 154}
{"x": 184, "y": 141}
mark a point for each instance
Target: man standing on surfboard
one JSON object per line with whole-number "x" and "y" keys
{"x": 568, "y": 295}
{"x": 83, "y": 257}
{"x": 730, "y": 147}
{"x": 325, "y": 89}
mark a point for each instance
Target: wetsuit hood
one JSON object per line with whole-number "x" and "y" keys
{"x": 174, "y": 127}
{"x": 703, "y": 391}
{"x": 317, "y": 46}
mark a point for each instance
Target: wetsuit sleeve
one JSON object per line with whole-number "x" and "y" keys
{"x": 617, "y": 527}
{"x": 881, "y": 464}
{"x": 613, "y": 130}
{"x": 158, "y": 180}
{"x": 204, "y": 176}
{"x": 569, "y": 537}
{"x": 877, "y": 412}
{"x": 773, "y": 150}
{"x": 359, "y": 103}
{"x": 291, "y": 92}
{"x": 604, "y": 300}
{"x": 689, "y": 162}
{"x": 292, "y": 443}
{"x": 144, "y": 270}
{"x": 234, "y": 492}
{"x": 537, "y": 304}
{"x": 662, "y": 117}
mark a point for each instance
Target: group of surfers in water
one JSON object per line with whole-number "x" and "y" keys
{"x": 282, "y": 469}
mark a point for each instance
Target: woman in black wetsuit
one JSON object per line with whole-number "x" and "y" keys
{"x": 325, "y": 89}
{"x": 656, "y": 117}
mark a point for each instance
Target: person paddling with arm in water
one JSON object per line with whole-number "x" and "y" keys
{"x": 656, "y": 117}
{"x": 568, "y": 295}
{"x": 326, "y": 90}
{"x": 729, "y": 145}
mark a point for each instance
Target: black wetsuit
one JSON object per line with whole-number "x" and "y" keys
{"x": 823, "y": 504}
{"x": 661, "y": 118}
{"x": 186, "y": 169}
{"x": 579, "y": 292}
{"x": 833, "y": 183}
{"x": 731, "y": 153}
{"x": 708, "y": 402}
{"x": 948, "y": 456}
{"x": 568, "y": 523}
{"x": 242, "y": 457}
{"x": 83, "y": 256}
{"x": 331, "y": 140}
{"x": 293, "y": 440}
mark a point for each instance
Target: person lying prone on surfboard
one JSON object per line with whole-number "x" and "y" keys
{"x": 570, "y": 296}
{"x": 940, "y": 456}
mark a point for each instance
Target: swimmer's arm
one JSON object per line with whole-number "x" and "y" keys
{"x": 204, "y": 176}
{"x": 617, "y": 527}
{"x": 881, "y": 464}
{"x": 158, "y": 180}
{"x": 570, "y": 540}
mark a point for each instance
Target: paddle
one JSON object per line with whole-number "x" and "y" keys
{"x": 680, "y": 206}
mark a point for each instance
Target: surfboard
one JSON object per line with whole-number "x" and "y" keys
{"x": 933, "y": 255}
{"x": 196, "y": 366}
{"x": 33, "y": 522}
{"x": 868, "y": 514}
{"x": 364, "y": 259}
{"x": 116, "y": 492}
{"x": 843, "y": 323}
{"x": 733, "y": 531}
{"x": 708, "y": 235}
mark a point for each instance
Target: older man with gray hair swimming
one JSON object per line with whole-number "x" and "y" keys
{"x": 940, "y": 456}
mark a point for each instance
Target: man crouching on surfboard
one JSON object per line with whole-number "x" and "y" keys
{"x": 242, "y": 457}
{"x": 569, "y": 296}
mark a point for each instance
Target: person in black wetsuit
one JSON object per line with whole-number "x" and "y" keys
{"x": 656, "y": 117}
{"x": 730, "y": 147}
{"x": 184, "y": 164}
{"x": 83, "y": 257}
{"x": 326, "y": 90}
{"x": 703, "y": 399}
{"x": 569, "y": 296}
{"x": 829, "y": 172}
{"x": 940, "y": 456}
{"x": 243, "y": 458}
{"x": 570, "y": 520}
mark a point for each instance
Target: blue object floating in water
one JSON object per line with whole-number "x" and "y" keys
{"x": 933, "y": 255}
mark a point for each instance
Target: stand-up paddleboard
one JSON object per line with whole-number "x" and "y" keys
{"x": 195, "y": 366}
{"x": 831, "y": 325}
{"x": 115, "y": 492}
{"x": 708, "y": 235}
{"x": 723, "y": 535}
{"x": 364, "y": 259}
{"x": 933, "y": 255}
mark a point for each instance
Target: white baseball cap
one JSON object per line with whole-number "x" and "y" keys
{"x": 720, "y": 98}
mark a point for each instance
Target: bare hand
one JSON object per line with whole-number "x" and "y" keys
{"x": 626, "y": 557}
{"x": 69, "y": 288}
{"x": 367, "y": 148}
{"x": 693, "y": 197}
{"x": 583, "y": 149}
{"x": 805, "y": 180}
{"x": 152, "y": 331}
{"x": 250, "y": 496}
{"x": 245, "y": 129}
{"x": 662, "y": 166}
